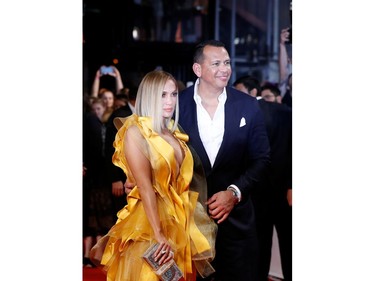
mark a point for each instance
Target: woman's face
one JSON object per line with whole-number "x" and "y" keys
{"x": 98, "y": 109}
{"x": 169, "y": 99}
{"x": 108, "y": 99}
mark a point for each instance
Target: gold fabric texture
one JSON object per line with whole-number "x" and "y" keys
{"x": 184, "y": 220}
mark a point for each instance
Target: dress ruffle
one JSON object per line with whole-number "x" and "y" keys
{"x": 184, "y": 220}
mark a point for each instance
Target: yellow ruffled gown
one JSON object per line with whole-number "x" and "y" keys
{"x": 184, "y": 221}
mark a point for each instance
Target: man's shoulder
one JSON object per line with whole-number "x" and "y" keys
{"x": 186, "y": 95}
{"x": 240, "y": 97}
{"x": 122, "y": 111}
{"x": 187, "y": 90}
{"x": 279, "y": 107}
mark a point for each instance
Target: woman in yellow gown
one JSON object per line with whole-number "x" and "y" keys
{"x": 161, "y": 208}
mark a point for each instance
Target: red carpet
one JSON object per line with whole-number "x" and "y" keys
{"x": 93, "y": 274}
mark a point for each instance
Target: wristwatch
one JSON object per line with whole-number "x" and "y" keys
{"x": 236, "y": 192}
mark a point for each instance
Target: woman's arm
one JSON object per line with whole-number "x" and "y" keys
{"x": 283, "y": 55}
{"x": 119, "y": 83}
{"x": 283, "y": 61}
{"x": 95, "y": 85}
{"x": 140, "y": 167}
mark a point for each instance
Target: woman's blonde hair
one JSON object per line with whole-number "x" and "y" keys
{"x": 149, "y": 99}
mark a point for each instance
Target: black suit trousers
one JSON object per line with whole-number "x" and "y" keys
{"x": 236, "y": 259}
{"x": 272, "y": 213}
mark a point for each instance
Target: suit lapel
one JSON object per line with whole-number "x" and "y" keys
{"x": 191, "y": 128}
{"x": 197, "y": 143}
{"x": 230, "y": 127}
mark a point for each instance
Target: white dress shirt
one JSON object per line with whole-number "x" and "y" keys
{"x": 211, "y": 131}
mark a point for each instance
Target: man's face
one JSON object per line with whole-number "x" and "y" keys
{"x": 267, "y": 95}
{"x": 242, "y": 88}
{"x": 118, "y": 103}
{"x": 215, "y": 69}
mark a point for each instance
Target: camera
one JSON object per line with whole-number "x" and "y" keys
{"x": 105, "y": 70}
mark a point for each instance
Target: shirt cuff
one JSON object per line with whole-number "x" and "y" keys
{"x": 237, "y": 191}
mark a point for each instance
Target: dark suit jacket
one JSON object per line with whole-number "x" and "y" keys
{"x": 278, "y": 119}
{"x": 242, "y": 158}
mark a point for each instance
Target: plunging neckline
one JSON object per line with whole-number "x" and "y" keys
{"x": 175, "y": 143}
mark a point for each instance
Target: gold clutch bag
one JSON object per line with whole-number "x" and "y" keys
{"x": 166, "y": 272}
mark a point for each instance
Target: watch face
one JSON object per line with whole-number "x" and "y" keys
{"x": 235, "y": 193}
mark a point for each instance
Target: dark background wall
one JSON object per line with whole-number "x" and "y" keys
{"x": 109, "y": 33}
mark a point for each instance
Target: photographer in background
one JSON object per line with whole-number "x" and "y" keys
{"x": 108, "y": 77}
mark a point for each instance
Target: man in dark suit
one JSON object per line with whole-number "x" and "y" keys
{"x": 272, "y": 201}
{"x": 226, "y": 129}
{"x": 272, "y": 208}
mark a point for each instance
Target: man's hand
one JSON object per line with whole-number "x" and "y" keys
{"x": 128, "y": 186}
{"x": 289, "y": 197}
{"x": 221, "y": 204}
{"x": 118, "y": 188}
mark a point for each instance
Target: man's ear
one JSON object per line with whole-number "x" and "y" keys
{"x": 197, "y": 69}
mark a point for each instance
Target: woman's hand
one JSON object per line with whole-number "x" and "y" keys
{"x": 284, "y": 36}
{"x": 98, "y": 74}
{"x": 164, "y": 252}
